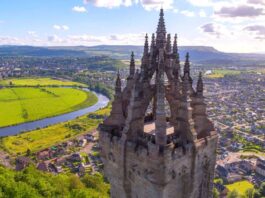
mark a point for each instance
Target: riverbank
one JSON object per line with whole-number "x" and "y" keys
{"x": 13, "y": 130}
{"x": 43, "y": 138}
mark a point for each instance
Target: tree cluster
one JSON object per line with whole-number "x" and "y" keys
{"x": 34, "y": 184}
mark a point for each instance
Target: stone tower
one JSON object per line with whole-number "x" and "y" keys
{"x": 157, "y": 141}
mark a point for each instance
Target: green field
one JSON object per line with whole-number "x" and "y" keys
{"x": 44, "y": 138}
{"x": 240, "y": 187}
{"x": 39, "y": 82}
{"x": 220, "y": 73}
{"x": 23, "y": 104}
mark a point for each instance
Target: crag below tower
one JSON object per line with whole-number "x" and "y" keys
{"x": 157, "y": 141}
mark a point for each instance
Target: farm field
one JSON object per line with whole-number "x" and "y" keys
{"x": 240, "y": 187}
{"x": 43, "y": 138}
{"x": 24, "y": 104}
{"x": 39, "y": 82}
{"x": 220, "y": 73}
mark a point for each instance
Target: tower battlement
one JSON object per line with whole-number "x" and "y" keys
{"x": 158, "y": 141}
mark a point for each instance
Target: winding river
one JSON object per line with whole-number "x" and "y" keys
{"x": 29, "y": 126}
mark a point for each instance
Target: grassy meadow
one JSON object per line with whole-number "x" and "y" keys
{"x": 24, "y": 104}
{"x": 38, "y": 82}
{"x": 240, "y": 186}
{"x": 46, "y": 137}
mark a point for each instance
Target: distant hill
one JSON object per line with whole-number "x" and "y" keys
{"x": 8, "y": 50}
{"x": 199, "y": 54}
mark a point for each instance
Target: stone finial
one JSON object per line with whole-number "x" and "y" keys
{"x": 153, "y": 40}
{"x": 176, "y": 68}
{"x": 132, "y": 65}
{"x": 168, "y": 47}
{"x": 146, "y": 45}
{"x": 187, "y": 65}
{"x": 175, "y": 45}
{"x": 145, "y": 58}
{"x": 118, "y": 84}
{"x": 153, "y": 43}
{"x": 200, "y": 85}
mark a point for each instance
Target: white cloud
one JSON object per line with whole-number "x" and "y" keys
{"x": 232, "y": 11}
{"x": 32, "y": 33}
{"x": 202, "y": 13}
{"x": 85, "y": 39}
{"x": 114, "y": 39}
{"x": 211, "y": 28}
{"x": 55, "y": 39}
{"x": 57, "y": 27}
{"x": 109, "y": 3}
{"x": 61, "y": 27}
{"x": 81, "y": 9}
{"x": 188, "y": 13}
{"x": 201, "y": 3}
{"x": 175, "y": 10}
{"x": 257, "y": 30}
{"x": 240, "y": 11}
{"x": 250, "y": 44}
{"x": 157, "y": 4}
{"x": 147, "y": 4}
{"x": 8, "y": 40}
{"x": 217, "y": 30}
{"x": 261, "y": 2}
{"x": 65, "y": 27}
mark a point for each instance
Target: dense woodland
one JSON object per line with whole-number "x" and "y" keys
{"x": 33, "y": 183}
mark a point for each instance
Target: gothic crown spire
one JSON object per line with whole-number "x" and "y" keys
{"x": 161, "y": 31}
{"x": 161, "y": 28}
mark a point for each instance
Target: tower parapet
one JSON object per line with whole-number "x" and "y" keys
{"x": 157, "y": 141}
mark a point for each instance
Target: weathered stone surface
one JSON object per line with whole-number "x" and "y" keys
{"x": 159, "y": 154}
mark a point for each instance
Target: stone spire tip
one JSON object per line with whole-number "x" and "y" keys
{"x": 132, "y": 65}
{"x": 187, "y": 56}
{"x": 187, "y": 65}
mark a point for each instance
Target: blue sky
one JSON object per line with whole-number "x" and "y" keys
{"x": 227, "y": 25}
